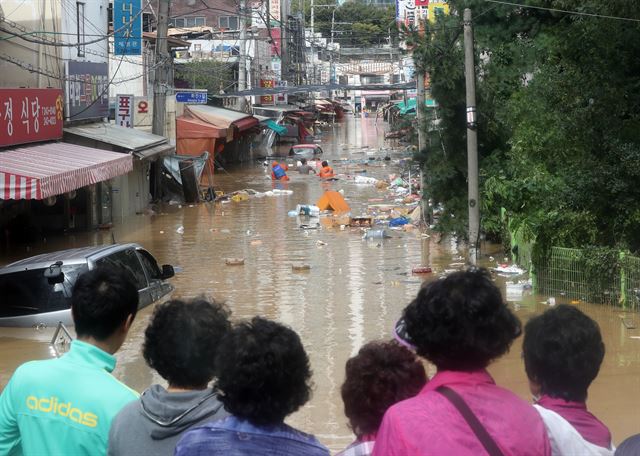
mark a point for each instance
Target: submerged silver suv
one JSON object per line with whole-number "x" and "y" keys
{"x": 36, "y": 291}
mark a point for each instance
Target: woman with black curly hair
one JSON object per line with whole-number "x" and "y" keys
{"x": 381, "y": 374}
{"x": 180, "y": 343}
{"x": 264, "y": 377}
{"x": 563, "y": 351}
{"x": 461, "y": 324}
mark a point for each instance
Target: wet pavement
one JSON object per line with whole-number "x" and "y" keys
{"x": 353, "y": 292}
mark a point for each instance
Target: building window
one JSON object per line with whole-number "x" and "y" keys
{"x": 80, "y": 20}
{"x": 197, "y": 47}
{"x": 188, "y": 21}
{"x": 147, "y": 22}
{"x": 229, "y": 22}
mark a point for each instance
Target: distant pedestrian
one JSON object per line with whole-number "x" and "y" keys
{"x": 563, "y": 351}
{"x": 180, "y": 343}
{"x": 326, "y": 172}
{"x": 304, "y": 168}
{"x": 64, "y": 406}
{"x": 264, "y": 377}
{"x": 380, "y": 375}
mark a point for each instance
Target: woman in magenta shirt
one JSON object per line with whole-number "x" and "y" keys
{"x": 461, "y": 324}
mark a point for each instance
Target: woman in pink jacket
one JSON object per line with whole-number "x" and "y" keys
{"x": 461, "y": 324}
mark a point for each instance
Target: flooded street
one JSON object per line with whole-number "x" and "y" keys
{"x": 353, "y": 292}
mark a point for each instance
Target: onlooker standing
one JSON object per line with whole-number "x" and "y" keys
{"x": 381, "y": 374}
{"x": 461, "y": 324}
{"x": 180, "y": 343}
{"x": 563, "y": 350}
{"x": 64, "y": 406}
{"x": 263, "y": 377}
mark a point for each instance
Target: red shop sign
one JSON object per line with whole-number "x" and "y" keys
{"x": 30, "y": 115}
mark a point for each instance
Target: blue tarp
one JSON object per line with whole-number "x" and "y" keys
{"x": 275, "y": 127}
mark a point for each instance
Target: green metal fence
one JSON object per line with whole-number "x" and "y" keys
{"x": 566, "y": 274}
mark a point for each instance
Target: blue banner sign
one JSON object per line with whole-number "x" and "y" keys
{"x": 127, "y": 26}
{"x": 191, "y": 97}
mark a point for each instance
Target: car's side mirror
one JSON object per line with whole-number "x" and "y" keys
{"x": 167, "y": 271}
{"x": 54, "y": 273}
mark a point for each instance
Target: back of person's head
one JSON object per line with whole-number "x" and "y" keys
{"x": 325, "y": 163}
{"x": 461, "y": 322}
{"x": 303, "y": 161}
{"x": 102, "y": 300}
{"x": 182, "y": 339}
{"x": 264, "y": 372}
{"x": 563, "y": 350}
{"x": 381, "y": 374}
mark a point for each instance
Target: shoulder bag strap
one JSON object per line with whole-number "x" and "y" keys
{"x": 478, "y": 429}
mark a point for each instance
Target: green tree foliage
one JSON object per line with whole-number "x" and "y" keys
{"x": 356, "y": 24}
{"x": 559, "y": 118}
{"x": 205, "y": 74}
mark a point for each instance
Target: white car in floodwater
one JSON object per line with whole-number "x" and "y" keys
{"x": 36, "y": 292}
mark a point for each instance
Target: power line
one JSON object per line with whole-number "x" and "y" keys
{"x": 556, "y": 10}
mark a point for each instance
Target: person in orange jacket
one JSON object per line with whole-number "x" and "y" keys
{"x": 326, "y": 172}
{"x": 278, "y": 172}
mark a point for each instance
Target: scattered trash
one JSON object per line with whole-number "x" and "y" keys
{"x": 292, "y": 213}
{"x": 365, "y": 180}
{"x": 300, "y": 267}
{"x": 421, "y": 270}
{"x": 575, "y": 301}
{"x": 225, "y": 231}
{"x": 256, "y": 242}
{"x": 234, "y": 261}
{"x": 628, "y": 323}
{"x": 180, "y": 230}
{"x": 551, "y": 301}
{"x": 343, "y": 227}
{"x": 508, "y": 270}
{"x": 161, "y": 232}
{"x": 377, "y": 233}
{"x": 308, "y": 210}
{"x": 399, "y": 221}
{"x": 320, "y": 243}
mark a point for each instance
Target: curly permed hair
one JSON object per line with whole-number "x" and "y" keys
{"x": 461, "y": 322}
{"x": 182, "y": 338}
{"x": 264, "y": 372}
{"x": 381, "y": 374}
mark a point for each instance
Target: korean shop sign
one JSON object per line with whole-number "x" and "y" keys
{"x": 124, "y": 110}
{"x": 30, "y": 115}
{"x": 127, "y": 26}
{"x": 87, "y": 90}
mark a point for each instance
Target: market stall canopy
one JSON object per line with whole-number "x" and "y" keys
{"x": 190, "y": 128}
{"x": 38, "y": 172}
{"x": 140, "y": 143}
{"x": 410, "y": 105}
{"x": 220, "y": 117}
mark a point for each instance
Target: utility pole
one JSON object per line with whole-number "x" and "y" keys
{"x": 162, "y": 70}
{"x": 331, "y": 51}
{"x": 472, "y": 139}
{"x": 242, "y": 61}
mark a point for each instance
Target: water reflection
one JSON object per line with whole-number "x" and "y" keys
{"x": 353, "y": 293}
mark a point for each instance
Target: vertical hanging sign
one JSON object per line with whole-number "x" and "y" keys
{"x": 127, "y": 26}
{"x": 124, "y": 110}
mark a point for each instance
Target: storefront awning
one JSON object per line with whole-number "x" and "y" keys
{"x": 50, "y": 169}
{"x": 140, "y": 143}
{"x": 220, "y": 117}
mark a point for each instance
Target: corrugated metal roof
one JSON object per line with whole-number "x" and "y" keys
{"x": 162, "y": 149}
{"x": 127, "y": 138}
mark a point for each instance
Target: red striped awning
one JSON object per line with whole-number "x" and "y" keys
{"x": 37, "y": 172}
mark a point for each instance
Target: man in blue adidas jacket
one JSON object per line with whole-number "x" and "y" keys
{"x": 64, "y": 406}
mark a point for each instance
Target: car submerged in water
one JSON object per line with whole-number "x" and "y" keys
{"x": 305, "y": 151}
{"x": 36, "y": 292}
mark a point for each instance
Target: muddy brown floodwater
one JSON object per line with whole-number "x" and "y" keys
{"x": 353, "y": 293}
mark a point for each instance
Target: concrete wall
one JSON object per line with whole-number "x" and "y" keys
{"x": 58, "y": 19}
